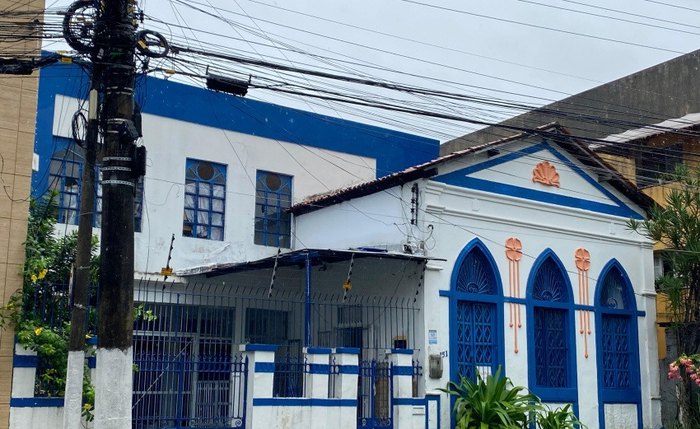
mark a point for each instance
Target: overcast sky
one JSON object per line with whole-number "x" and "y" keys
{"x": 529, "y": 51}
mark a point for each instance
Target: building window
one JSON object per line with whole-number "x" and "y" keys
{"x": 551, "y": 347}
{"x": 205, "y": 197}
{"x": 618, "y": 364}
{"x": 477, "y": 311}
{"x": 273, "y": 196}
{"x": 65, "y": 178}
{"x": 656, "y": 163}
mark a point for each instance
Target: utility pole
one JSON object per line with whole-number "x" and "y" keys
{"x": 72, "y": 407}
{"x": 114, "y": 37}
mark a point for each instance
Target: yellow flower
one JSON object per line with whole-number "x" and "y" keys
{"x": 42, "y": 273}
{"x": 34, "y": 278}
{"x": 38, "y": 331}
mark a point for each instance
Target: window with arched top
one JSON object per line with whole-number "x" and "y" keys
{"x": 551, "y": 340}
{"x": 617, "y": 339}
{"x": 477, "y": 312}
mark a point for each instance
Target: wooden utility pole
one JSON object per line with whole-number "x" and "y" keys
{"x": 114, "y": 45}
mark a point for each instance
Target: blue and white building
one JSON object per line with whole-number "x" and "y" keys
{"x": 529, "y": 266}
{"x": 221, "y": 169}
{"x": 329, "y": 273}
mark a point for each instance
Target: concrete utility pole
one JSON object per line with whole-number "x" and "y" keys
{"x": 72, "y": 406}
{"x": 114, "y": 45}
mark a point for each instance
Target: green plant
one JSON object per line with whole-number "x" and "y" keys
{"x": 46, "y": 273}
{"x": 492, "y": 403}
{"x": 560, "y": 418}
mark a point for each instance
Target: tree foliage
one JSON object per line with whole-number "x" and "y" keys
{"x": 676, "y": 225}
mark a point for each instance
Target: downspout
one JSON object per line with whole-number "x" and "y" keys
{"x": 307, "y": 303}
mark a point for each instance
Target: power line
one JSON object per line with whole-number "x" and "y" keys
{"x": 541, "y": 27}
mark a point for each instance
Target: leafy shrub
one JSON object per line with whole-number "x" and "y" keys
{"x": 493, "y": 403}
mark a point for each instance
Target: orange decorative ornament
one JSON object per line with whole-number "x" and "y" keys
{"x": 583, "y": 259}
{"x": 514, "y": 249}
{"x": 546, "y": 174}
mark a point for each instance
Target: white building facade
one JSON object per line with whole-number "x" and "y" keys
{"x": 221, "y": 169}
{"x": 530, "y": 267}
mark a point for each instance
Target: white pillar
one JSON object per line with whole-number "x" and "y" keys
{"x": 260, "y": 378}
{"x": 402, "y": 392}
{"x": 317, "y": 372}
{"x": 24, "y": 372}
{"x": 348, "y": 370}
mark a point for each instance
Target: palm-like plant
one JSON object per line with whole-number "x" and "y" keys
{"x": 492, "y": 403}
{"x": 560, "y": 418}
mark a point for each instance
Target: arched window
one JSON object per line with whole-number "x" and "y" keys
{"x": 551, "y": 341}
{"x": 617, "y": 343}
{"x": 477, "y": 313}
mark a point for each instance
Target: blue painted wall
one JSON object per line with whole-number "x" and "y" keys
{"x": 393, "y": 150}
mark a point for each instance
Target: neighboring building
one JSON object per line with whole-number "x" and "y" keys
{"x": 647, "y": 97}
{"x": 221, "y": 169}
{"x": 529, "y": 266}
{"x": 221, "y": 173}
{"x": 18, "y": 96}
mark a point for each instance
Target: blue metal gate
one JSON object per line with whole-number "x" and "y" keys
{"x": 176, "y": 388}
{"x": 374, "y": 408}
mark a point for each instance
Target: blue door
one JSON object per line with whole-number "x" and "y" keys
{"x": 477, "y": 347}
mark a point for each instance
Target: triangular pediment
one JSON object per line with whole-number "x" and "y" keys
{"x": 539, "y": 172}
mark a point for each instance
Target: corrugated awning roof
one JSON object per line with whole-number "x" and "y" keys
{"x": 666, "y": 126}
{"x": 296, "y": 257}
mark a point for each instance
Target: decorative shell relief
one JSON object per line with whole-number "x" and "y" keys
{"x": 546, "y": 174}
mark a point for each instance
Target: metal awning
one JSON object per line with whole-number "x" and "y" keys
{"x": 298, "y": 258}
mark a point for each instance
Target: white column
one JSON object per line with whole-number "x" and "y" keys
{"x": 402, "y": 392}
{"x": 260, "y": 378}
{"x": 348, "y": 370}
{"x": 317, "y": 372}
{"x": 24, "y": 372}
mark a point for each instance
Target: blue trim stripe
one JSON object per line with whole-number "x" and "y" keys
{"x": 393, "y": 150}
{"x": 409, "y": 401}
{"x": 402, "y": 370}
{"x": 25, "y": 361}
{"x": 459, "y": 178}
{"x": 349, "y": 369}
{"x": 303, "y": 402}
{"x": 36, "y": 402}
{"x": 260, "y": 348}
{"x": 319, "y": 368}
{"x": 265, "y": 367}
{"x": 402, "y": 351}
{"x": 92, "y": 362}
{"x": 347, "y": 350}
{"x": 319, "y": 350}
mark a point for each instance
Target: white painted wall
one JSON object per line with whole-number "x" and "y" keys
{"x": 170, "y": 142}
{"x": 459, "y": 215}
{"x": 450, "y": 217}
